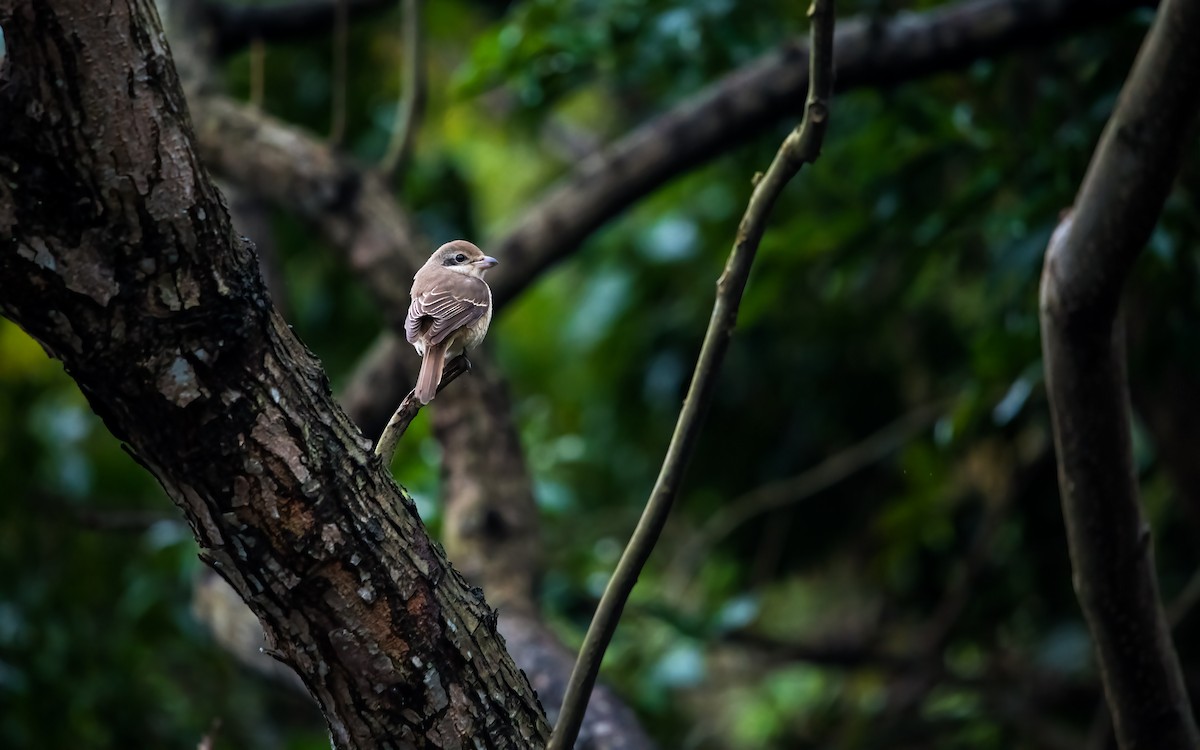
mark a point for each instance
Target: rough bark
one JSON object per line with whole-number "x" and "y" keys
{"x": 1086, "y": 266}
{"x": 491, "y": 517}
{"x": 117, "y": 254}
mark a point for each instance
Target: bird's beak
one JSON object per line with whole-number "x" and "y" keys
{"x": 486, "y": 261}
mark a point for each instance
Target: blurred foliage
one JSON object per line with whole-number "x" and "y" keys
{"x": 900, "y": 271}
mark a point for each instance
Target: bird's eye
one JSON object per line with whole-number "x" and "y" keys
{"x": 460, "y": 258}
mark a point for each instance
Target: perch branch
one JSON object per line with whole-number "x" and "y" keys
{"x": 1086, "y": 266}
{"x": 802, "y": 146}
{"x": 409, "y": 408}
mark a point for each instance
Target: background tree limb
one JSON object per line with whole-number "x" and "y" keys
{"x": 870, "y": 52}
{"x": 1086, "y": 265}
{"x": 802, "y": 146}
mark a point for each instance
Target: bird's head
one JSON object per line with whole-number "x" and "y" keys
{"x": 463, "y": 257}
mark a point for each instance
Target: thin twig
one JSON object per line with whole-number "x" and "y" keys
{"x": 411, "y": 106}
{"x": 802, "y": 145}
{"x": 410, "y": 406}
{"x": 341, "y": 43}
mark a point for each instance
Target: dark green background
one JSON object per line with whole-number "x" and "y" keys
{"x": 900, "y": 272}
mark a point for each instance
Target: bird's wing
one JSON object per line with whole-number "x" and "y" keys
{"x": 440, "y": 312}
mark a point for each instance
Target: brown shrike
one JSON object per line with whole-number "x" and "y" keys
{"x": 450, "y": 311}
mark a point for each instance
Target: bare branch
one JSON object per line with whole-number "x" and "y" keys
{"x": 869, "y": 52}
{"x": 1086, "y": 265}
{"x": 384, "y": 370}
{"x": 385, "y": 448}
{"x": 802, "y": 146}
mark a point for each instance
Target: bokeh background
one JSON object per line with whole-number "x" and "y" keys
{"x": 868, "y": 551}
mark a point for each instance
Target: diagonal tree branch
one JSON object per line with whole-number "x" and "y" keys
{"x": 802, "y": 146}
{"x": 119, "y": 257}
{"x": 748, "y": 101}
{"x": 408, "y": 409}
{"x": 738, "y": 108}
{"x": 1086, "y": 265}
{"x": 356, "y": 212}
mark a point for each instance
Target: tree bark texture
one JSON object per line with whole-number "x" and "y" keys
{"x": 117, "y": 254}
{"x": 1086, "y": 265}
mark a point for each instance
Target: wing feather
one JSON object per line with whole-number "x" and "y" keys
{"x": 436, "y": 314}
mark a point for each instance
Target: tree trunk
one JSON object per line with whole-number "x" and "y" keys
{"x": 117, "y": 254}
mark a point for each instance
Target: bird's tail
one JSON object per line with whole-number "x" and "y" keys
{"x": 431, "y": 373}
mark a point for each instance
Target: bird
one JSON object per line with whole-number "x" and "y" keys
{"x": 450, "y": 311}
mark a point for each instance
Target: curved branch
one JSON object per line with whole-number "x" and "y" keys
{"x": 1086, "y": 265}
{"x": 120, "y": 258}
{"x": 745, "y": 103}
{"x": 802, "y": 146}
{"x": 735, "y": 109}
